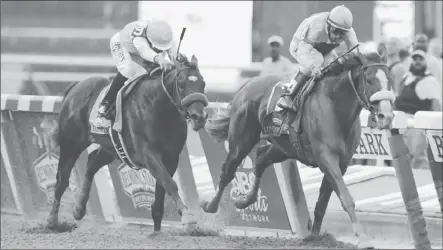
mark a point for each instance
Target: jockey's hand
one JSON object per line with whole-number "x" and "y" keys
{"x": 165, "y": 65}
{"x": 316, "y": 73}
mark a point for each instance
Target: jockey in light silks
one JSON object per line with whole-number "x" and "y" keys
{"x": 313, "y": 47}
{"x": 137, "y": 41}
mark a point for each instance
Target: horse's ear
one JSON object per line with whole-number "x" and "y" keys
{"x": 194, "y": 60}
{"x": 383, "y": 52}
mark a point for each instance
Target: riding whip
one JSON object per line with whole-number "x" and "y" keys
{"x": 180, "y": 42}
{"x": 342, "y": 55}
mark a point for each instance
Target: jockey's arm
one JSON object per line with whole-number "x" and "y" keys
{"x": 351, "y": 40}
{"x": 306, "y": 55}
{"x": 144, "y": 49}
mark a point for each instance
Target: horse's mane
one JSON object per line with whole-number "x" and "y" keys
{"x": 351, "y": 62}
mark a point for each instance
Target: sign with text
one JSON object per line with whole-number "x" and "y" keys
{"x": 374, "y": 144}
{"x": 40, "y": 161}
{"x": 435, "y": 140}
{"x": 29, "y": 145}
{"x": 135, "y": 192}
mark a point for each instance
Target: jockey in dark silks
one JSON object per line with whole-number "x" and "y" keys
{"x": 313, "y": 46}
{"x": 137, "y": 41}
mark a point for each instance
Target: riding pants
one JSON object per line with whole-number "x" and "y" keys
{"x": 308, "y": 57}
{"x": 125, "y": 62}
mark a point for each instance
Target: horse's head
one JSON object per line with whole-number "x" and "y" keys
{"x": 374, "y": 86}
{"x": 189, "y": 88}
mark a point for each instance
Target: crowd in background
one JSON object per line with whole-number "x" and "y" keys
{"x": 416, "y": 69}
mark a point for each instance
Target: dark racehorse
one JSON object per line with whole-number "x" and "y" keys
{"x": 155, "y": 115}
{"x": 330, "y": 125}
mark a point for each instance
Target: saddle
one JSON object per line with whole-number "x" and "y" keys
{"x": 275, "y": 117}
{"x": 114, "y": 115}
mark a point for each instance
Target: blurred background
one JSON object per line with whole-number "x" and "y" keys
{"x": 45, "y": 45}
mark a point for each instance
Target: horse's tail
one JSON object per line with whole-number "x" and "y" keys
{"x": 218, "y": 127}
{"x": 55, "y": 131}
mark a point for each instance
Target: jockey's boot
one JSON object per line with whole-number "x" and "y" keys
{"x": 286, "y": 99}
{"x": 116, "y": 85}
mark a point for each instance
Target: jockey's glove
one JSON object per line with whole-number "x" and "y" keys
{"x": 316, "y": 72}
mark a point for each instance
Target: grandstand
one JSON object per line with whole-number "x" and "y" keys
{"x": 32, "y": 32}
{"x": 47, "y": 44}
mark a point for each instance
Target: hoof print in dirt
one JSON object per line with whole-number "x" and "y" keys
{"x": 327, "y": 240}
{"x": 43, "y": 228}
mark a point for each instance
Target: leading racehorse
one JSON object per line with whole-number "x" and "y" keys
{"x": 329, "y": 129}
{"x": 154, "y": 118}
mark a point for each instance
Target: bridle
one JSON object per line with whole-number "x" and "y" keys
{"x": 365, "y": 102}
{"x": 182, "y": 109}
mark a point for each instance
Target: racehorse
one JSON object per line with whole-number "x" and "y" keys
{"x": 154, "y": 118}
{"x": 329, "y": 129}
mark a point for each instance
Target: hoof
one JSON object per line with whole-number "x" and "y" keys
{"x": 156, "y": 233}
{"x": 206, "y": 206}
{"x": 78, "y": 213}
{"x": 51, "y": 222}
{"x": 241, "y": 203}
{"x": 315, "y": 234}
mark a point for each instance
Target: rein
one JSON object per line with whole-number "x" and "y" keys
{"x": 179, "y": 106}
{"x": 365, "y": 102}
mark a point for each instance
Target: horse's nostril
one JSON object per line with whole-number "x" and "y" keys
{"x": 380, "y": 116}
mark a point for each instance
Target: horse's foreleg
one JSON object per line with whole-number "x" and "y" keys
{"x": 157, "y": 211}
{"x": 96, "y": 160}
{"x": 322, "y": 203}
{"x": 265, "y": 155}
{"x": 68, "y": 157}
{"x": 329, "y": 163}
{"x": 158, "y": 207}
{"x": 162, "y": 176}
{"x": 244, "y": 133}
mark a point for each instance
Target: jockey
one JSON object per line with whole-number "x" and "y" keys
{"x": 137, "y": 41}
{"x": 313, "y": 46}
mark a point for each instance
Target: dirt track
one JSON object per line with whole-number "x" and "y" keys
{"x": 17, "y": 233}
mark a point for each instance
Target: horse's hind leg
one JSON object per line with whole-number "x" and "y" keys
{"x": 158, "y": 207}
{"x": 68, "y": 156}
{"x": 322, "y": 203}
{"x": 244, "y": 133}
{"x": 96, "y": 160}
{"x": 266, "y": 155}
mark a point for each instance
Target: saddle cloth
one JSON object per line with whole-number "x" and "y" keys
{"x": 275, "y": 115}
{"x": 273, "y": 120}
{"x": 103, "y": 127}
{"x": 99, "y": 128}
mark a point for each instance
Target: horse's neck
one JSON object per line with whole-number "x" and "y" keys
{"x": 345, "y": 102}
{"x": 158, "y": 96}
